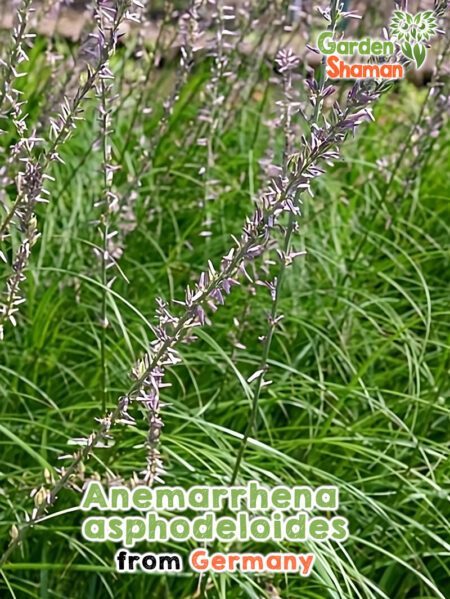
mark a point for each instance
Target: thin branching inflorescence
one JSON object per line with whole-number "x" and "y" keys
{"x": 151, "y": 60}
{"x": 11, "y": 106}
{"x": 219, "y": 50}
{"x": 110, "y": 249}
{"x": 61, "y": 128}
{"x": 287, "y": 63}
{"x": 16, "y": 55}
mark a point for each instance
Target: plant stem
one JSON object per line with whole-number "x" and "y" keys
{"x": 104, "y": 233}
{"x": 251, "y": 425}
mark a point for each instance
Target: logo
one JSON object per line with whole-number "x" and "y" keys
{"x": 410, "y": 33}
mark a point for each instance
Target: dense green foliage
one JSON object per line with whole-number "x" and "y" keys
{"x": 359, "y": 365}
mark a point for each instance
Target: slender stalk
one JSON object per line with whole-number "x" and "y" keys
{"x": 104, "y": 228}
{"x": 273, "y": 317}
{"x": 251, "y": 425}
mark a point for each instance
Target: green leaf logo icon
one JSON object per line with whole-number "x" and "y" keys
{"x": 420, "y": 54}
{"x": 412, "y": 31}
{"x": 407, "y": 50}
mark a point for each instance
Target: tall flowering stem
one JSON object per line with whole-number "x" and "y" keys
{"x": 30, "y": 184}
{"x": 60, "y": 130}
{"x": 109, "y": 249}
{"x": 433, "y": 115}
{"x": 286, "y": 62}
{"x": 11, "y": 108}
{"x": 16, "y": 55}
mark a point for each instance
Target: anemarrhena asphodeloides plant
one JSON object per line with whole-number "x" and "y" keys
{"x": 37, "y": 164}
{"x": 325, "y": 128}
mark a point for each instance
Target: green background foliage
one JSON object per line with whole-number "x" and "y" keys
{"x": 359, "y": 366}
